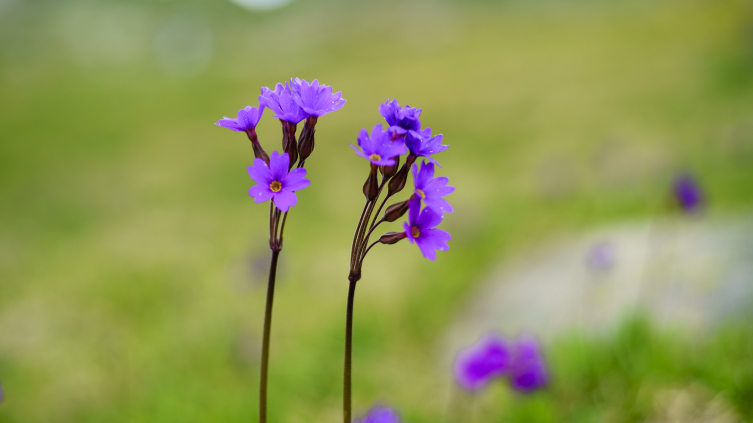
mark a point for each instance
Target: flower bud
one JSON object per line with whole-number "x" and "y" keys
{"x": 396, "y": 211}
{"x": 390, "y": 171}
{"x": 392, "y": 237}
{"x": 259, "y": 152}
{"x": 398, "y": 182}
{"x": 289, "y": 144}
{"x": 306, "y": 144}
{"x": 371, "y": 186}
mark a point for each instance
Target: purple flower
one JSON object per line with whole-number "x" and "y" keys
{"x": 421, "y": 229}
{"x": 688, "y": 193}
{"x": 275, "y": 182}
{"x": 247, "y": 119}
{"x": 379, "y": 149}
{"x": 380, "y": 414}
{"x": 316, "y": 100}
{"x": 431, "y": 189}
{"x": 477, "y": 365}
{"x": 400, "y": 120}
{"x": 281, "y": 102}
{"x": 422, "y": 144}
{"x": 601, "y": 256}
{"x": 528, "y": 369}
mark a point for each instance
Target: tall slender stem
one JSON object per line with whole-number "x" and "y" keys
{"x": 347, "y": 374}
{"x": 265, "y": 339}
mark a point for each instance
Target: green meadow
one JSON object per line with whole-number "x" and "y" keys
{"x": 133, "y": 262}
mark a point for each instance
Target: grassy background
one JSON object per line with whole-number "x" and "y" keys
{"x": 132, "y": 261}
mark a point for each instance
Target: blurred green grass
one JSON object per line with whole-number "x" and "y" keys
{"x": 126, "y": 235}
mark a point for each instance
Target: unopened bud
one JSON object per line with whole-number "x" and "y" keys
{"x": 259, "y": 152}
{"x": 396, "y": 211}
{"x": 390, "y": 171}
{"x": 289, "y": 144}
{"x": 306, "y": 144}
{"x": 392, "y": 237}
{"x": 398, "y": 182}
{"x": 371, "y": 186}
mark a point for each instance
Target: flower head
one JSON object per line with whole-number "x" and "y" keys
{"x": 275, "y": 182}
{"x": 431, "y": 189}
{"x": 422, "y": 144}
{"x": 421, "y": 230}
{"x": 400, "y": 120}
{"x": 528, "y": 369}
{"x": 477, "y": 365}
{"x": 379, "y": 149}
{"x": 688, "y": 193}
{"x": 281, "y": 102}
{"x": 316, "y": 100}
{"x": 380, "y": 414}
{"x": 248, "y": 118}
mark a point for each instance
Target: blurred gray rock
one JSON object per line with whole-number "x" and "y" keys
{"x": 686, "y": 272}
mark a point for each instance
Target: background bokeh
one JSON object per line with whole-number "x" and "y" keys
{"x": 133, "y": 262}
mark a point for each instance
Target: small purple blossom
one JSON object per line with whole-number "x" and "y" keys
{"x": 422, "y": 144}
{"x": 379, "y": 149}
{"x": 281, "y": 101}
{"x": 688, "y": 193}
{"x": 431, "y": 189}
{"x": 421, "y": 230}
{"x": 380, "y": 414}
{"x": 247, "y": 119}
{"x": 316, "y": 100}
{"x": 275, "y": 182}
{"x": 601, "y": 256}
{"x": 400, "y": 120}
{"x": 477, "y": 365}
{"x": 528, "y": 369}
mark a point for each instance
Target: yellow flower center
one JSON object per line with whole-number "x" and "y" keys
{"x": 420, "y": 193}
{"x": 415, "y": 232}
{"x": 275, "y": 186}
{"x": 375, "y": 157}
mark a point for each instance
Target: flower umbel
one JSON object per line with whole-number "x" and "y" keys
{"x": 379, "y": 149}
{"x": 315, "y": 99}
{"x": 275, "y": 182}
{"x": 380, "y": 414}
{"x": 281, "y": 102}
{"x": 400, "y": 120}
{"x": 477, "y": 365}
{"x": 247, "y": 119}
{"x": 421, "y": 230}
{"x": 431, "y": 190}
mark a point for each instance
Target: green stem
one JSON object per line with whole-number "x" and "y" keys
{"x": 265, "y": 339}
{"x": 347, "y": 376}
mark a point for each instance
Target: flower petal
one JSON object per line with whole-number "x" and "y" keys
{"x": 285, "y": 199}
{"x": 261, "y": 193}
{"x": 296, "y": 180}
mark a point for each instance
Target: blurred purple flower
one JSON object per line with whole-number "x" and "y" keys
{"x": 688, "y": 193}
{"x": 275, "y": 182}
{"x": 316, "y": 100}
{"x": 1, "y": 395}
{"x": 486, "y": 359}
{"x": 431, "y": 189}
{"x": 281, "y": 102}
{"x": 528, "y": 369}
{"x": 421, "y": 230}
{"x": 379, "y": 149}
{"x": 380, "y": 414}
{"x": 247, "y": 119}
{"x": 422, "y": 144}
{"x": 400, "y": 120}
{"x": 601, "y": 256}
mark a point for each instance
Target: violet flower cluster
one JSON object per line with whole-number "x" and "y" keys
{"x": 494, "y": 357}
{"x": 426, "y": 206}
{"x": 280, "y": 176}
{"x": 688, "y": 193}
